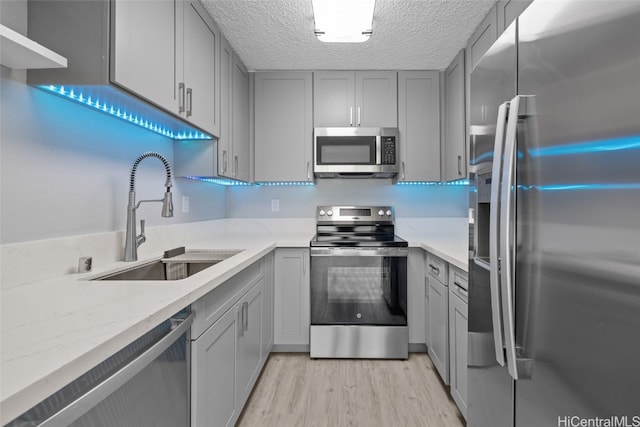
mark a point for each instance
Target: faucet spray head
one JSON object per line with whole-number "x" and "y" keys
{"x": 167, "y": 204}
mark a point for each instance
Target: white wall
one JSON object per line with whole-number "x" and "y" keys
{"x": 300, "y": 202}
{"x": 64, "y": 169}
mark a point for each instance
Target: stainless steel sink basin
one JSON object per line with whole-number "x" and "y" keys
{"x": 174, "y": 268}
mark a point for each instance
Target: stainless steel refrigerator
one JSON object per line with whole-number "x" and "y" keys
{"x": 554, "y": 268}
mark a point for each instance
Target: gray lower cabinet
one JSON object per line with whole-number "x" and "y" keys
{"x": 438, "y": 312}
{"x": 214, "y": 366}
{"x": 439, "y": 327}
{"x": 228, "y": 349}
{"x": 292, "y": 310}
{"x": 249, "y": 341}
{"x": 283, "y": 126}
{"x": 267, "y": 305}
{"x": 419, "y": 125}
{"x": 458, "y": 329}
{"x": 427, "y": 332}
{"x": 415, "y": 298}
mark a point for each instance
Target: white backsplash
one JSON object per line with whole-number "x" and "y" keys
{"x": 38, "y": 260}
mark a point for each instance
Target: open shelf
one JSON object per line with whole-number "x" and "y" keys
{"x": 20, "y": 52}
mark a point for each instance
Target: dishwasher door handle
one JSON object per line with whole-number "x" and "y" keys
{"x": 93, "y": 397}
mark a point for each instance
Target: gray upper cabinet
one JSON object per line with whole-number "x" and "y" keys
{"x": 508, "y": 11}
{"x": 226, "y": 109}
{"x": 170, "y": 59}
{"x": 283, "y": 126}
{"x": 240, "y": 121}
{"x": 454, "y": 160}
{"x": 362, "y": 98}
{"x": 482, "y": 38}
{"x": 419, "y": 125}
{"x": 376, "y": 99}
{"x": 200, "y": 65}
{"x": 233, "y": 143}
{"x": 480, "y": 41}
{"x": 232, "y": 148}
{"x": 144, "y": 51}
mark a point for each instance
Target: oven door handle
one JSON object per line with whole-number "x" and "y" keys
{"x": 368, "y": 251}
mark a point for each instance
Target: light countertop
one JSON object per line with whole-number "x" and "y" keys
{"x": 54, "y": 330}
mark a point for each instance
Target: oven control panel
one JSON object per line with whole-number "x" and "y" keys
{"x": 354, "y": 214}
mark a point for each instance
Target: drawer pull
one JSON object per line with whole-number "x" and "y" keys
{"x": 434, "y": 269}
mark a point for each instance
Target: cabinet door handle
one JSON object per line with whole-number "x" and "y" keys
{"x": 434, "y": 269}
{"x": 245, "y": 316}
{"x": 181, "y": 97}
{"x": 224, "y": 161}
{"x": 308, "y": 171}
{"x": 404, "y": 171}
{"x": 459, "y": 165}
{"x": 358, "y": 116}
{"x": 240, "y": 321}
{"x": 426, "y": 286}
{"x": 189, "y": 102}
{"x": 235, "y": 171}
{"x": 350, "y": 116}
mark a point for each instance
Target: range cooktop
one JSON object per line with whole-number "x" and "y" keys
{"x": 356, "y": 226}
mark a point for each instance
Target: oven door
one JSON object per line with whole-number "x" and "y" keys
{"x": 359, "y": 286}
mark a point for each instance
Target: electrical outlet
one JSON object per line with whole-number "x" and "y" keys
{"x": 275, "y": 205}
{"x": 185, "y": 204}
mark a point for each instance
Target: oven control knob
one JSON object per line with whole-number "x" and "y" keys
{"x": 388, "y": 212}
{"x": 380, "y": 212}
{"x": 330, "y": 212}
{"x": 322, "y": 212}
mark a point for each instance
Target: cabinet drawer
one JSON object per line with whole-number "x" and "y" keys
{"x": 212, "y": 306}
{"x": 457, "y": 277}
{"x": 437, "y": 267}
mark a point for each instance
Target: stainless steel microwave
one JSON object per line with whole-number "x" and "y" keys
{"x": 355, "y": 152}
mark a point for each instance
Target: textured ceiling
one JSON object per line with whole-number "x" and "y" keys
{"x": 407, "y": 34}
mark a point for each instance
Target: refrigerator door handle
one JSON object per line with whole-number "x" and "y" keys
{"x": 494, "y": 221}
{"x": 506, "y": 236}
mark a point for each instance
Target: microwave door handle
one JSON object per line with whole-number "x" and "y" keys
{"x": 494, "y": 220}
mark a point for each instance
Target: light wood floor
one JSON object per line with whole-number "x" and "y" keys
{"x": 294, "y": 390}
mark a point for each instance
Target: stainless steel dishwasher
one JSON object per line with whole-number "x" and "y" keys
{"x": 145, "y": 384}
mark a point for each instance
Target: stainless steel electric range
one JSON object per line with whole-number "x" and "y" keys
{"x": 358, "y": 284}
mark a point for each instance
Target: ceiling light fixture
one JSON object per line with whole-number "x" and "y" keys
{"x": 343, "y": 21}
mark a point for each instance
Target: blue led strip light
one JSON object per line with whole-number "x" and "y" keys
{"x": 127, "y": 116}
{"x": 286, "y": 184}
{"x": 233, "y": 183}
{"x": 575, "y": 187}
{"x": 598, "y": 146}
{"x": 461, "y": 182}
{"x": 220, "y": 181}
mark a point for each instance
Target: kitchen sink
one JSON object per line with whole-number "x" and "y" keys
{"x": 176, "y": 267}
